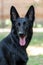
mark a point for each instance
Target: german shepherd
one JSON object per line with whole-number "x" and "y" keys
{"x": 13, "y": 47}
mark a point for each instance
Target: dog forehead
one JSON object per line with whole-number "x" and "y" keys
{"x": 21, "y": 20}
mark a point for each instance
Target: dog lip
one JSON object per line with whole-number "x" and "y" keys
{"x": 22, "y": 36}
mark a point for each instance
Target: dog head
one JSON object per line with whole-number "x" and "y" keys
{"x": 23, "y": 26}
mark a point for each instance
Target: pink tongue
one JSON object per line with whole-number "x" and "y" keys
{"x": 22, "y": 41}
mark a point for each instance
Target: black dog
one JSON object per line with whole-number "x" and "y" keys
{"x": 13, "y": 47}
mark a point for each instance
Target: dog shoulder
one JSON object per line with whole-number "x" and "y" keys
{"x": 4, "y": 50}
{"x": 4, "y": 44}
{"x": 2, "y": 58}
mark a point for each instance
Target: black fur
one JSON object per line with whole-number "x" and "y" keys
{"x": 11, "y": 52}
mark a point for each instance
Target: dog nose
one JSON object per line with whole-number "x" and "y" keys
{"x": 21, "y": 33}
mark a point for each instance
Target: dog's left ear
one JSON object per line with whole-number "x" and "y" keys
{"x": 13, "y": 14}
{"x": 30, "y": 14}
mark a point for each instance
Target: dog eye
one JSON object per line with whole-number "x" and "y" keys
{"x": 19, "y": 24}
{"x": 24, "y": 23}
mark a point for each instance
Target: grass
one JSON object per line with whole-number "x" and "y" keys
{"x": 35, "y": 60}
{"x": 37, "y": 39}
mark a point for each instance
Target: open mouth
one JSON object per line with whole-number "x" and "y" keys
{"x": 22, "y": 40}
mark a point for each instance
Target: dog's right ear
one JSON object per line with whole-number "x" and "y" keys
{"x": 13, "y": 14}
{"x": 30, "y": 13}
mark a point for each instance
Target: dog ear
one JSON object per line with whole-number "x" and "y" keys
{"x": 30, "y": 14}
{"x": 13, "y": 14}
